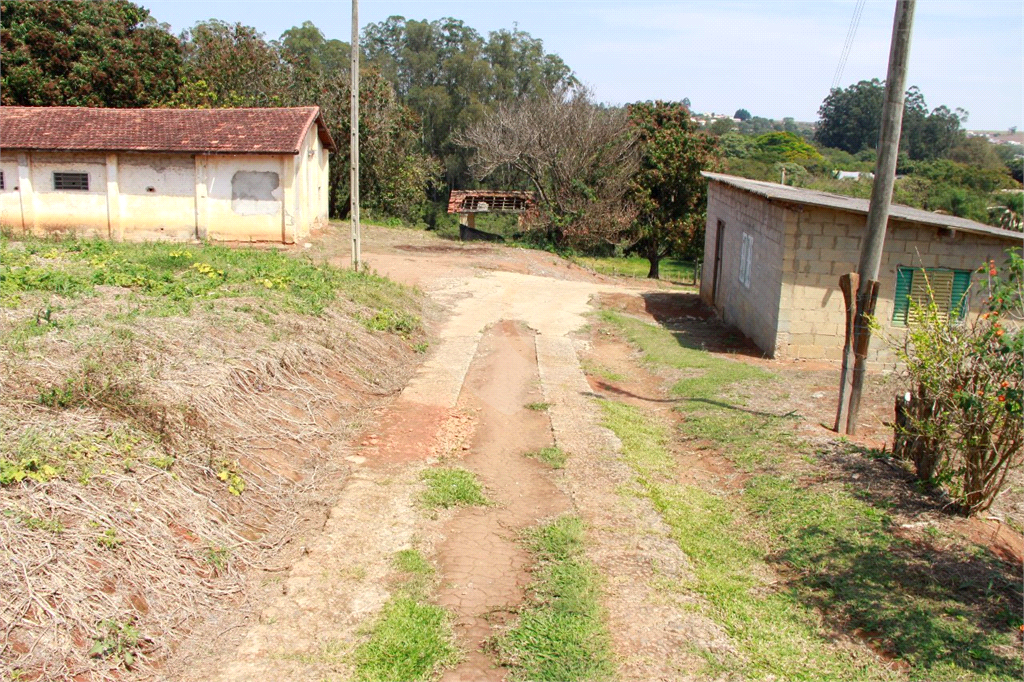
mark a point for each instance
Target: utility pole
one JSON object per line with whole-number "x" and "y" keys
{"x": 866, "y": 282}
{"x": 354, "y": 142}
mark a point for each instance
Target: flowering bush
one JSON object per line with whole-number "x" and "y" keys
{"x": 963, "y": 426}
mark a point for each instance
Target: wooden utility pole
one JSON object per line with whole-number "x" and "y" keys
{"x": 850, "y": 388}
{"x": 354, "y": 142}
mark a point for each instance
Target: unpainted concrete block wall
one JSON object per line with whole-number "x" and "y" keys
{"x": 755, "y": 310}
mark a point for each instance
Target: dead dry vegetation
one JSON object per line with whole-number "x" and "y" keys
{"x": 164, "y": 410}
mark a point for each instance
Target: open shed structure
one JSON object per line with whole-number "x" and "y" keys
{"x": 467, "y": 203}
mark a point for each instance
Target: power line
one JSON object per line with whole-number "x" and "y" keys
{"x": 851, "y": 33}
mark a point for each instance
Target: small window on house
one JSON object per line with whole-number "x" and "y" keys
{"x": 746, "y": 256}
{"x": 71, "y": 181}
{"x": 948, "y": 289}
{"x": 2, "y": 185}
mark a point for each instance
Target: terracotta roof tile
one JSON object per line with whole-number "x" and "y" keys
{"x": 213, "y": 131}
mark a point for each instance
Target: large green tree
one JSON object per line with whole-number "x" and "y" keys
{"x": 78, "y": 53}
{"x": 451, "y": 76}
{"x": 668, "y": 191}
{"x": 850, "y": 119}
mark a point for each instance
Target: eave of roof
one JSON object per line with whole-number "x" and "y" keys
{"x": 188, "y": 131}
{"x": 800, "y": 195}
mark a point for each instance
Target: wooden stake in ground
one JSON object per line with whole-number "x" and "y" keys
{"x": 848, "y": 284}
{"x": 354, "y": 141}
{"x": 878, "y": 213}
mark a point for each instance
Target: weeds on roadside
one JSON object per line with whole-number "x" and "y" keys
{"x": 117, "y": 641}
{"x": 947, "y": 616}
{"x": 553, "y": 456}
{"x": 561, "y": 633}
{"x": 452, "y": 487}
{"x": 411, "y": 639}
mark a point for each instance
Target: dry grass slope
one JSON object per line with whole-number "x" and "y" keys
{"x": 161, "y": 408}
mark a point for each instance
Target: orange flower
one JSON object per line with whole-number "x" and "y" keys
{"x": 1005, "y": 384}
{"x": 999, "y": 332}
{"x": 1002, "y": 398}
{"x": 992, "y": 271}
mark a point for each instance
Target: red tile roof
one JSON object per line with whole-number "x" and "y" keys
{"x": 211, "y": 131}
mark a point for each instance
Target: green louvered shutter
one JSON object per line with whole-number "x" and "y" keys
{"x": 901, "y": 300}
{"x": 961, "y": 283}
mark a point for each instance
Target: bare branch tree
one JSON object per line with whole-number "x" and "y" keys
{"x": 578, "y": 156}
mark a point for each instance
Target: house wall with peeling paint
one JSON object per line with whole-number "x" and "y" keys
{"x": 140, "y": 196}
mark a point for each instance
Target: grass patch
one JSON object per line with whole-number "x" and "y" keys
{"x": 671, "y": 269}
{"x": 538, "y": 407}
{"x": 561, "y": 633}
{"x": 412, "y": 639}
{"x": 411, "y": 561}
{"x": 747, "y": 437}
{"x": 950, "y": 614}
{"x": 554, "y": 456}
{"x": 775, "y": 633}
{"x": 452, "y": 487}
{"x": 168, "y": 279}
{"x": 598, "y": 370}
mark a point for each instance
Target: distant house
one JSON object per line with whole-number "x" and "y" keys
{"x": 852, "y": 175}
{"x": 172, "y": 174}
{"x": 774, "y": 255}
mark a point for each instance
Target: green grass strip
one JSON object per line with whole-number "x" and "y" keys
{"x": 554, "y": 457}
{"x": 412, "y": 639}
{"x": 948, "y": 615}
{"x": 170, "y": 278}
{"x": 452, "y": 487}
{"x": 561, "y": 634}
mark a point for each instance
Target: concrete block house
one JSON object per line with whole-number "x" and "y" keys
{"x": 164, "y": 174}
{"x": 774, "y": 254}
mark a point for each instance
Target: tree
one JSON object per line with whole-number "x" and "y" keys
{"x": 451, "y": 76}
{"x": 668, "y": 190}
{"x": 578, "y": 157}
{"x": 742, "y": 114}
{"x": 850, "y": 119}
{"x": 95, "y": 54}
{"x": 784, "y": 148}
{"x": 238, "y": 66}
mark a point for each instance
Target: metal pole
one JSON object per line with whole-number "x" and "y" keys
{"x": 354, "y": 142}
{"x": 881, "y": 196}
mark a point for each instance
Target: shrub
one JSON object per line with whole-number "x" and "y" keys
{"x": 962, "y": 427}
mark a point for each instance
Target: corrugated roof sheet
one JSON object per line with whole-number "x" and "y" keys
{"x": 800, "y": 195}
{"x": 211, "y": 131}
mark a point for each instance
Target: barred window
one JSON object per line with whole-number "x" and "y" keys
{"x": 2, "y": 185}
{"x": 71, "y": 181}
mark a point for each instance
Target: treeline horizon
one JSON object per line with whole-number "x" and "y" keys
{"x": 424, "y": 84}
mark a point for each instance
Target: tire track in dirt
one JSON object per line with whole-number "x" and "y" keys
{"x": 484, "y": 568}
{"x": 341, "y": 582}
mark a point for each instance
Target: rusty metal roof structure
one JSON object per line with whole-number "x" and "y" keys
{"x": 489, "y": 200}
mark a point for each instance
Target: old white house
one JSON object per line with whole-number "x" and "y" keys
{"x": 170, "y": 174}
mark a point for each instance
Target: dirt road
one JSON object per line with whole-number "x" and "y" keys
{"x": 503, "y": 379}
{"x": 507, "y": 342}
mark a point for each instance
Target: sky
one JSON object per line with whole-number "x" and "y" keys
{"x": 775, "y": 58}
